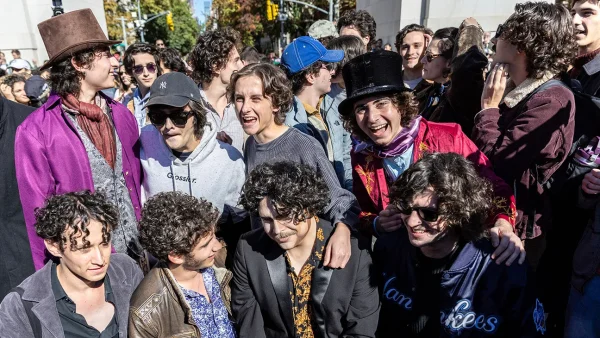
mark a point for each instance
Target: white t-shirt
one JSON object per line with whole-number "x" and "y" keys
{"x": 412, "y": 83}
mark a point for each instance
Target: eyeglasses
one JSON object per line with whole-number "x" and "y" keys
{"x": 430, "y": 56}
{"x": 425, "y": 213}
{"x": 139, "y": 69}
{"x": 327, "y": 65}
{"x": 179, "y": 119}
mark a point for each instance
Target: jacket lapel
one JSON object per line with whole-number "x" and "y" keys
{"x": 320, "y": 284}
{"x": 121, "y": 289}
{"x": 279, "y": 278}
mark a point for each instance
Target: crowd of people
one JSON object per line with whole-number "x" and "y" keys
{"x": 449, "y": 188}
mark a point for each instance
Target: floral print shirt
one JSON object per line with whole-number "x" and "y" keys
{"x": 211, "y": 317}
{"x": 300, "y": 290}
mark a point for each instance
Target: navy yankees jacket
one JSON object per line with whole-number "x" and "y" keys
{"x": 478, "y": 297}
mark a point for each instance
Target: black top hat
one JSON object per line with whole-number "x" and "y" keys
{"x": 369, "y": 74}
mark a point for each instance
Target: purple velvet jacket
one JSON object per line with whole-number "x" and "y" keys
{"x": 50, "y": 159}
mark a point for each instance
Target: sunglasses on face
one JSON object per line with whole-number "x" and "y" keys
{"x": 139, "y": 69}
{"x": 425, "y": 213}
{"x": 179, "y": 119}
{"x": 430, "y": 56}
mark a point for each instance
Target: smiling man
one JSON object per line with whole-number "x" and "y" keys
{"x": 281, "y": 287}
{"x": 84, "y": 290}
{"x": 411, "y": 43}
{"x": 439, "y": 277}
{"x": 180, "y": 151}
{"x": 586, "y": 22}
{"x": 185, "y": 295}
{"x": 262, "y": 94}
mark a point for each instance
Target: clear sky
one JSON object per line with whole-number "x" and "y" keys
{"x": 199, "y": 11}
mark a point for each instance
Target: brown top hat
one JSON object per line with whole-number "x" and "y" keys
{"x": 69, "y": 33}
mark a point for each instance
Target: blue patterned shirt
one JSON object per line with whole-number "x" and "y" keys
{"x": 211, "y": 318}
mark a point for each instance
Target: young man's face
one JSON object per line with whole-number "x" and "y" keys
{"x": 234, "y": 63}
{"x": 506, "y": 52}
{"x": 421, "y": 232}
{"x": 160, "y": 44}
{"x": 145, "y": 69}
{"x": 378, "y": 118}
{"x": 88, "y": 263}
{"x": 18, "y": 92}
{"x": 203, "y": 253}
{"x": 288, "y": 234}
{"x": 177, "y": 129}
{"x": 322, "y": 80}
{"x": 101, "y": 74}
{"x": 412, "y": 48}
{"x": 255, "y": 110}
{"x": 586, "y": 22}
{"x": 351, "y": 30}
{"x": 434, "y": 70}
{"x": 16, "y": 55}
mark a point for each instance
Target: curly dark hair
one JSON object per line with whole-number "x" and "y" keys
{"x": 275, "y": 86}
{"x": 447, "y": 39}
{"x": 250, "y": 55}
{"x": 12, "y": 79}
{"x": 465, "y": 199}
{"x": 198, "y": 110}
{"x": 140, "y": 48}
{"x": 362, "y": 21}
{"x": 405, "y": 103}
{"x": 212, "y": 53}
{"x": 544, "y": 32}
{"x": 65, "y": 79}
{"x": 409, "y": 29}
{"x": 296, "y": 190}
{"x": 74, "y": 211}
{"x": 352, "y": 47}
{"x": 573, "y": 2}
{"x": 171, "y": 59}
{"x": 173, "y": 223}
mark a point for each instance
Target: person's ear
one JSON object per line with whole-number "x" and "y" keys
{"x": 78, "y": 67}
{"x": 176, "y": 259}
{"x": 53, "y": 248}
{"x": 311, "y": 78}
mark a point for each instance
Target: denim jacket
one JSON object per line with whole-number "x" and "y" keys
{"x": 340, "y": 138}
{"x": 478, "y": 297}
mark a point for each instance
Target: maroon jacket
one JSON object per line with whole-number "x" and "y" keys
{"x": 534, "y": 134}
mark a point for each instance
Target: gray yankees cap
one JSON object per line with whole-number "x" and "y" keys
{"x": 173, "y": 89}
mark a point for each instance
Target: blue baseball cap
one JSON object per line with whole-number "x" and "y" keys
{"x": 304, "y": 51}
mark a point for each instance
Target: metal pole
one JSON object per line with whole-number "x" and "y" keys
{"x": 139, "y": 10}
{"x": 124, "y": 32}
{"x": 331, "y": 10}
{"x": 282, "y": 24}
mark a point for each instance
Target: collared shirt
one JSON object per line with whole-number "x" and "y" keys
{"x": 210, "y": 315}
{"x": 74, "y": 325}
{"x": 316, "y": 119}
{"x": 139, "y": 111}
{"x": 230, "y": 123}
{"x": 300, "y": 288}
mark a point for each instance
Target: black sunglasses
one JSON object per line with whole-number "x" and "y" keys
{"x": 139, "y": 69}
{"x": 179, "y": 119}
{"x": 430, "y": 56}
{"x": 425, "y": 213}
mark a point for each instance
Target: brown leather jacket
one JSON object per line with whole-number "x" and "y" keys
{"x": 158, "y": 307}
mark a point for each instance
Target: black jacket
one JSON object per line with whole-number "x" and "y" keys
{"x": 478, "y": 297}
{"x": 345, "y": 301}
{"x": 16, "y": 263}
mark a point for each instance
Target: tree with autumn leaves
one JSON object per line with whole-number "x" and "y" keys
{"x": 182, "y": 38}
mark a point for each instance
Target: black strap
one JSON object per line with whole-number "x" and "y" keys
{"x": 34, "y": 321}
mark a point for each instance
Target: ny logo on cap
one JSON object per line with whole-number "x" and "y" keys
{"x": 163, "y": 85}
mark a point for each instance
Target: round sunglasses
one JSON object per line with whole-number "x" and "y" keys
{"x": 139, "y": 69}
{"x": 430, "y": 56}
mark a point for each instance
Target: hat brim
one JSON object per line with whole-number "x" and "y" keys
{"x": 345, "y": 107}
{"x": 170, "y": 100}
{"x": 332, "y": 56}
{"x": 65, "y": 53}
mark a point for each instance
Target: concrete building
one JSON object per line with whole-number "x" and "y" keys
{"x": 18, "y": 25}
{"x": 392, "y": 15}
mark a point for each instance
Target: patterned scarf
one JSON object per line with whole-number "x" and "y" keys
{"x": 397, "y": 147}
{"x": 96, "y": 125}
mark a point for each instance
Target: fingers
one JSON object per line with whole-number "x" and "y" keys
{"x": 327, "y": 257}
{"x": 522, "y": 256}
{"x": 509, "y": 248}
{"x": 516, "y": 253}
{"x": 501, "y": 247}
{"x": 495, "y": 237}
{"x": 591, "y": 182}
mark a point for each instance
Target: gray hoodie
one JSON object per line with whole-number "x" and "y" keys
{"x": 214, "y": 171}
